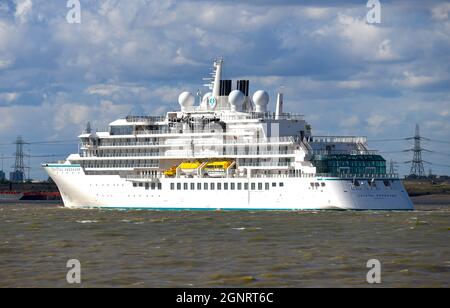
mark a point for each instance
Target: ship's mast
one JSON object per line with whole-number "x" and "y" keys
{"x": 217, "y": 78}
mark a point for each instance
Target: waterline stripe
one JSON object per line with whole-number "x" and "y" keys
{"x": 61, "y": 166}
{"x": 231, "y": 209}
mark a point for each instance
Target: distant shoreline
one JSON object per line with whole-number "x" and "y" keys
{"x": 425, "y": 187}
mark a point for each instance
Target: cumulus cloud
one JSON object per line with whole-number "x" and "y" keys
{"x": 317, "y": 12}
{"x": 345, "y": 75}
{"x": 441, "y": 12}
{"x": 365, "y": 40}
{"x": 23, "y": 9}
{"x": 6, "y": 62}
{"x": 8, "y": 97}
{"x": 411, "y": 80}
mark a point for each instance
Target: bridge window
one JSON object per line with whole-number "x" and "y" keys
{"x": 122, "y": 130}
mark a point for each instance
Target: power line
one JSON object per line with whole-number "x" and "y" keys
{"x": 437, "y": 141}
{"x": 55, "y": 142}
{"x": 439, "y": 153}
{"x": 72, "y": 141}
{"x": 36, "y": 156}
{"x": 387, "y": 140}
{"x": 429, "y": 163}
{"x": 410, "y": 138}
{"x": 417, "y": 162}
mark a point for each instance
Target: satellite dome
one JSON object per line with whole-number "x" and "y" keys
{"x": 186, "y": 100}
{"x": 261, "y": 100}
{"x": 236, "y": 100}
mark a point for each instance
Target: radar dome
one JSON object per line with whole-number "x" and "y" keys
{"x": 186, "y": 100}
{"x": 261, "y": 100}
{"x": 236, "y": 100}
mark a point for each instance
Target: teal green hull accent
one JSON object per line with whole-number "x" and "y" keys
{"x": 157, "y": 209}
{"x": 62, "y": 166}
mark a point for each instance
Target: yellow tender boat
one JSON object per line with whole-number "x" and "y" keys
{"x": 218, "y": 165}
{"x": 217, "y": 168}
{"x": 189, "y": 166}
{"x": 171, "y": 172}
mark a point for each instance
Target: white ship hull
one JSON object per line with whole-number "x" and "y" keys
{"x": 79, "y": 190}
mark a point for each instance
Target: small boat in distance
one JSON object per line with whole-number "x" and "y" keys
{"x": 10, "y": 195}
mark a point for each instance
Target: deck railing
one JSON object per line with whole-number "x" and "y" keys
{"x": 297, "y": 174}
{"x": 198, "y": 142}
{"x": 349, "y": 152}
{"x": 340, "y": 139}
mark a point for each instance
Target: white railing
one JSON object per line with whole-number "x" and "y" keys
{"x": 359, "y": 176}
{"x": 197, "y": 142}
{"x": 282, "y": 174}
{"x": 349, "y": 152}
{"x": 339, "y": 139}
{"x": 265, "y": 164}
{"x": 190, "y": 154}
{"x": 115, "y": 166}
{"x": 145, "y": 119}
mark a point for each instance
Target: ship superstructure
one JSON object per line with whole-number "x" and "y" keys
{"x": 225, "y": 151}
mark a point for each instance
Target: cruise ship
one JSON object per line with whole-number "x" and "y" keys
{"x": 225, "y": 150}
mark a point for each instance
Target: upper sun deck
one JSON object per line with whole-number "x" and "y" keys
{"x": 221, "y": 107}
{"x": 200, "y": 123}
{"x": 226, "y": 116}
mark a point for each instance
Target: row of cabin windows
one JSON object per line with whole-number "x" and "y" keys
{"x": 223, "y": 186}
{"x": 148, "y": 186}
{"x": 210, "y": 186}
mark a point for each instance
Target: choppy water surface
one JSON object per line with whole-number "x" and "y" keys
{"x": 229, "y": 249}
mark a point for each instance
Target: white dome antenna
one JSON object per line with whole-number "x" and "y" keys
{"x": 186, "y": 100}
{"x": 261, "y": 100}
{"x": 236, "y": 100}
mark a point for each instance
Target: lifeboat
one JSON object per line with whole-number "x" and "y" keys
{"x": 217, "y": 168}
{"x": 171, "y": 171}
{"x": 189, "y": 167}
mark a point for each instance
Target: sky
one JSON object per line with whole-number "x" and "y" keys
{"x": 347, "y": 76}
